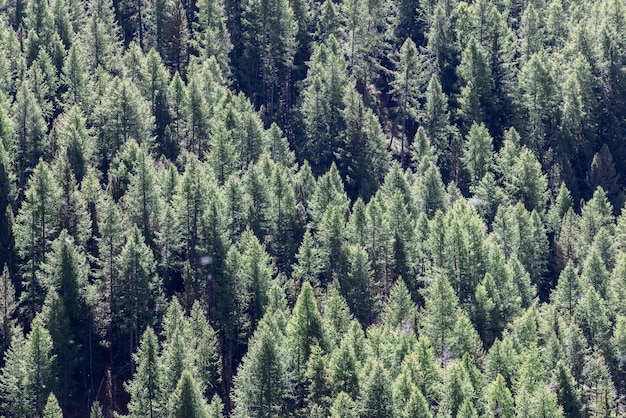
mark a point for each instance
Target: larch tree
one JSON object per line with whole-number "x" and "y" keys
{"x": 66, "y": 312}
{"x": 498, "y": 399}
{"x": 270, "y": 45}
{"x": 439, "y": 314}
{"x": 363, "y": 158}
{"x": 406, "y": 90}
{"x": 40, "y": 365}
{"x": 187, "y": 400}
{"x": 30, "y": 130}
{"x": 36, "y": 227}
{"x": 210, "y": 34}
{"x": 261, "y": 385}
{"x": 376, "y": 395}
{"x": 323, "y": 103}
{"x": 145, "y": 388}
{"x": 52, "y": 408}
{"x": 139, "y": 292}
{"x": 13, "y": 377}
{"x": 304, "y": 330}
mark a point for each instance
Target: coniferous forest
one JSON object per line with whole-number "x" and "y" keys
{"x": 307, "y": 208}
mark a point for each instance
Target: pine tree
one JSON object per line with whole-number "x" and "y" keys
{"x": 595, "y": 273}
{"x": 343, "y": 407}
{"x": 531, "y": 33}
{"x": 40, "y": 21}
{"x": 457, "y": 388}
{"x": 270, "y": 46}
{"x": 207, "y": 359}
{"x": 343, "y": 370}
{"x": 598, "y": 387}
{"x": 8, "y": 195}
{"x": 525, "y": 182}
{"x": 256, "y": 273}
{"x": 336, "y": 316}
{"x": 102, "y": 36}
{"x": 66, "y": 312}
{"x": 177, "y": 355}
{"x": 595, "y": 214}
{"x": 328, "y": 23}
{"x": 223, "y": 154}
{"x": 282, "y": 245}
{"x": 96, "y": 410}
{"x": 399, "y": 309}
{"x": 74, "y": 216}
{"x": 417, "y": 406}
{"x": 539, "y": 98}
{"x": 176, "y": 51}
{"x": 142, "y": 199}
{"x": 121, "y": 116}
{"x": 154, "y": 85}
{"x": 216, "y": 408}
{"x": 333, "y": 248}
{"x": 436, "y": 123}
{"x": 440, "y": 49}
{"x": 197, "y": 121}
{"x": 78, "y": 142}
{"x": 477, "y": 92}
{"x": 568, "y": 291}
{"x": 328, "y": 191}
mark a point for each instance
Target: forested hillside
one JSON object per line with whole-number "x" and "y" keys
{"x": 297, "y": 208}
